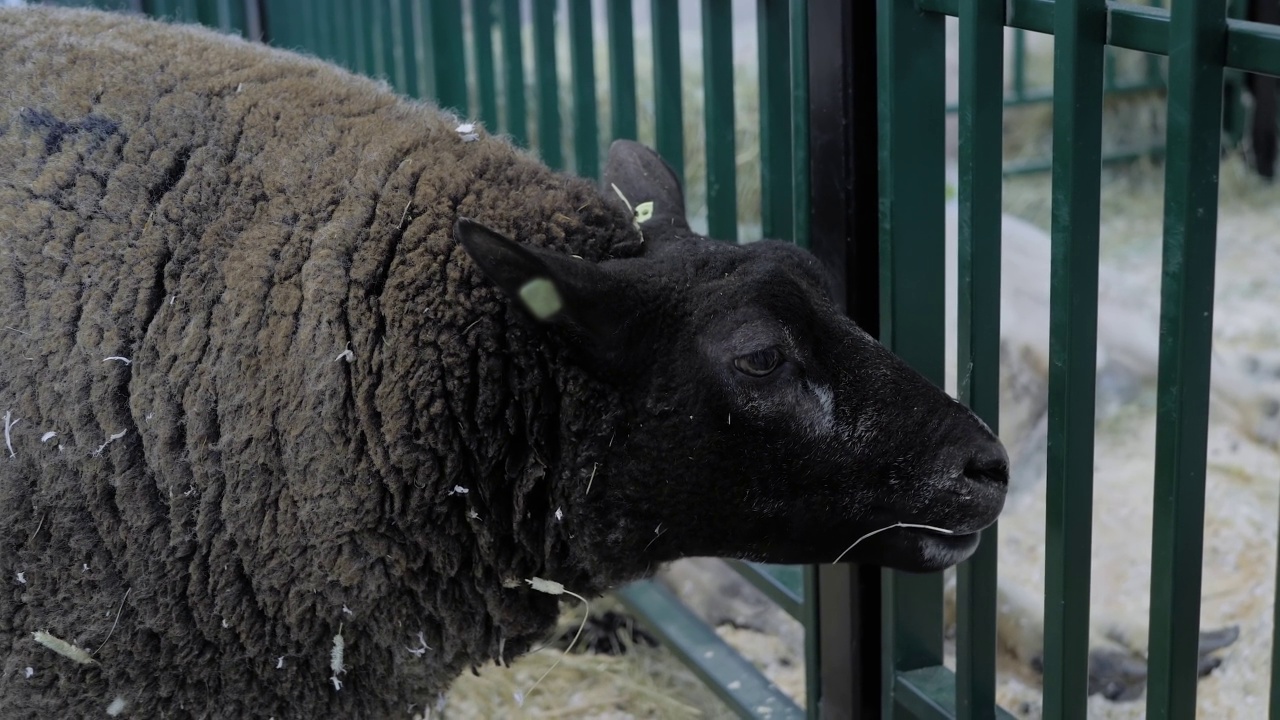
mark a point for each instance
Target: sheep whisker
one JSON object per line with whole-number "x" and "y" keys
{"x": 655, "y": 538}
{"x": 117, "y": 621}
{"x": 890, "y": 527}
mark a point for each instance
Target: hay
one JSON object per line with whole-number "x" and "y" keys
{"x": 645, "y": 682}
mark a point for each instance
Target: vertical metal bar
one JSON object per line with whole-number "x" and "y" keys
{"x": 978, "y": 325}
{"x": 416, "y": 44}
{"x": 482, "y": 44}
{"x": 425, "y": 50}
{"x": 912, "y": 112}
{"x": 839, "y": 60}
{"x": 798, "y": 44}
{"x": 340, "y": 16}
{"x": 389, "y": 37}
{"x": 1019, "y": 64}
{"x": 799, "y": 29}
{"x": 809, "y": 619}
{"x": 1154, "y": 77}
{"x": 1197, "y": 44}
{"x": 517, "y": 124}
{"x": 667, "y": 84}
{"x": 449, "y": 55}
{"x": 359, "y": 36}
{"x": 622, "y": 69}
{"x": 231, "y": 17}
{"x": 398, "y": 35}
{"x": 1079, "y": 33}
{"x": 267, "y": 16}
{"x": 323, "y": 29}
{"x": 376, "y": 38}
{"x": 1274, "y": 709}
{"x": 717, "y": 64}
{"x": 306, "y": 36}
{"x": 586, "y": 126}
{"x": 255, "y": 23}
{"x": 774, "y": 39}
{"x": 544, "y": 61}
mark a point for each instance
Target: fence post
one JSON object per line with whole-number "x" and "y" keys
{"x": 844, "y": 235}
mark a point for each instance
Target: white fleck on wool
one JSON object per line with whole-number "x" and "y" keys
{"x": 8, "y": 427}
{"x": 335, "y": 659}
{"x": 346, "y": 610}
{"x": 29, "y": 672}
{"x": 110, "y": 440}
{"x": 559, "y": 514}
{"x": 22, "y": 578}
{"x": 464, "y": 128}
{"x": 346, "y": 355}
{"x": 119, "y": 359}
{"x": 422, "y": 648}
{"x": 116, "y": 707}
{"x": 63, "y": 648}
{"x": 48, "y": 436}
{"x": 458, "y": 490}
{"x": 473, "y": 514}
{"x": 280, "y": 663}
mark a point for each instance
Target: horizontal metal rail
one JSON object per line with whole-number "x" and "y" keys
{"x": 735, "y": 680}
{"x": 1251, "y": 46}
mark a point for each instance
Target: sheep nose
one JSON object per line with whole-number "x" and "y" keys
{"x": 989, "y": 463}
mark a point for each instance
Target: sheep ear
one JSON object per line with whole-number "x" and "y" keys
{"x": 594, "y": 307}
{"x": 642, "y": 176}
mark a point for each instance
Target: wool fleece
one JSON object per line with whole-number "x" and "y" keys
{"x": 246, "y": 368}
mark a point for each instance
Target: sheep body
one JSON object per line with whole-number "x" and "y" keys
{"x": 233, "y": 220}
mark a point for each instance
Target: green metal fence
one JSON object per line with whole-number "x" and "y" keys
{"x": 1201, "y": 43}
{"x": 848, "y": 158}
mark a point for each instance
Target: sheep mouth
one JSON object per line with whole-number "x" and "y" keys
{"x": 939, "y": 551}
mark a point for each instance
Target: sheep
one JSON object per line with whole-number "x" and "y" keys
{"x": 321, "y": 396}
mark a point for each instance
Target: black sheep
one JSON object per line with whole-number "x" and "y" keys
{"x": 317, "y": 432}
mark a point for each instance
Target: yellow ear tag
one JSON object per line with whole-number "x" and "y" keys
{"x": 644, "y": 211}
{"x": 541, "y": 297}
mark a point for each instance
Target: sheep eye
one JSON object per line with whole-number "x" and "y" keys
{"x": 759, "y": 363}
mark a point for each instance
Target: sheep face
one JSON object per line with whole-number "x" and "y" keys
{"x": 759, "y": 421}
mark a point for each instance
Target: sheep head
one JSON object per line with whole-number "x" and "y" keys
{"x": 760, "y": 422}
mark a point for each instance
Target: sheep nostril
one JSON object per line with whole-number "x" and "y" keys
{"x": 988, "y": 464}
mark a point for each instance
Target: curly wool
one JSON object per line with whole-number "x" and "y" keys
{"x": 313, "y": 368}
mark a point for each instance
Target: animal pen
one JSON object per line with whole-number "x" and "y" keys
{"x": 849, "y": 150}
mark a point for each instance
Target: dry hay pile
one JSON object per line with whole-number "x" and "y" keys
{"x": 643, "y": 682}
